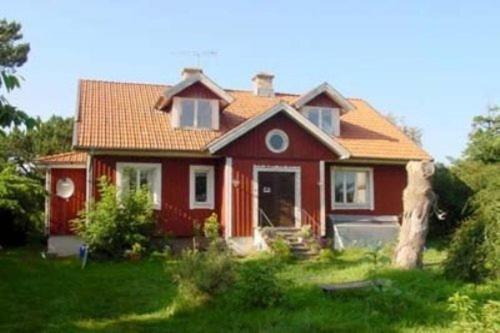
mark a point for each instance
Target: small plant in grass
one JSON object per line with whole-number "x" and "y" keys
{"x": 109, "y": 226}
{"x": 471, "y": 317}
{"x": 258, "y": 286}
{"x": 211, "y": 227}
{"x": 280, "y": 249}
{"x": 327, "y": 254}
{"x": 135, "y": 252}
{"x": 206, "y": 273}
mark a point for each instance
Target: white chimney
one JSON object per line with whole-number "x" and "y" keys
{"x": 190, "y": 71}
{"x": 263, "y": 84}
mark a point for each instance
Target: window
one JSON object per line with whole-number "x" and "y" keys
{"x": 201, "y": 187}
{"x": 195, "y": 113}
{"x": 325, "y": 118}
{"x": 132, "y": 176}
{"x": 277, "y": 141}
{"x": 352, "y": 188}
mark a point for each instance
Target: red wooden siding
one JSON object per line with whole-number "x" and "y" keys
{"x": 243, "y": 195}
{"x": 302, "y": 144}
{"x": 174, "y": 215}
{"x": 389, "y": 183}
{"x": 62, "y": 211}
{"x": 198, "y": 90}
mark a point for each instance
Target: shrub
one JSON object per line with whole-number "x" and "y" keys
{"x": 471, "y": 317}
{"x": 205, "y": 273}
{"x": 475, "y": 246}
{"x": 21, "y": 206}
{"x": 211, "y": 227}
{"x": 109, "y": 227}
{"x": 452, "y": 193}
{"x": 258, "y": 286}
{"x": 280, "y": 249}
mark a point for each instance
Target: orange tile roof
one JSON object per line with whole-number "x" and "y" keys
{"x": 114, "y": 115}
{"x": 64, "y": 158}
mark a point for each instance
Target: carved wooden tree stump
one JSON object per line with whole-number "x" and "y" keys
{"x": 418, "y": 198}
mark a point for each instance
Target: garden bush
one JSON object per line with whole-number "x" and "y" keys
{"x": 110, "y": 227}
{"x": 258, "y": 286}
{"x": 280, "y": 249}
{"x": 21, "y": 207}
{"x": 210, "y": 272}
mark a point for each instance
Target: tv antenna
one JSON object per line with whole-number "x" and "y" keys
{"x": 197, "y": 54}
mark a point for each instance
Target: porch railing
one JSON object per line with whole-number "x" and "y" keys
{"x": 263, "y": 217}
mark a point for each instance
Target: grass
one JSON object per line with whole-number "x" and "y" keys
{"x": 38, "y": 295}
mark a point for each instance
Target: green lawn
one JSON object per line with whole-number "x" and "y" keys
{"x": 38, "y": 295}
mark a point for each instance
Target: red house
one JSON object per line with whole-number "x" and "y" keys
{"x": 255, "y": 157}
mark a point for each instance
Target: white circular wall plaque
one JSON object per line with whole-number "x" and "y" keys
{"x": 65, "y": 188}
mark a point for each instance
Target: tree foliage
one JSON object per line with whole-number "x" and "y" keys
{"x": 110, "y": 226}
{"x": 475, "y": 246}
{"x": 13, "y": 54}
{"x": 21, "y": 203}
{"x": 23, "y": 146}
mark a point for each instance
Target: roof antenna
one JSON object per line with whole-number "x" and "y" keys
{"x": 197, "y": 54}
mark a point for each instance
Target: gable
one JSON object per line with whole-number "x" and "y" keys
{"x": 323, "y": 100}
{"x": 302, "y": 145}
{"x": 198, "y": 90}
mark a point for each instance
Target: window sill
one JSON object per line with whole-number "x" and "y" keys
{"x": 352, "y": 207}
{"x": 201, "y": 206}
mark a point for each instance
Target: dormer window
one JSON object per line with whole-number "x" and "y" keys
{"x": 195, "y": 113}
{"x": 327, "y": 119}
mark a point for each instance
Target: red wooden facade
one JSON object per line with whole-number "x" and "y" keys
{"x": 62, "y": 211}
{"x": 174, "y": 216}
{"x": 247, "y": 152}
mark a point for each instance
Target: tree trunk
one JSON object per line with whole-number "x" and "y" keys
{"x": 418, "y": 199}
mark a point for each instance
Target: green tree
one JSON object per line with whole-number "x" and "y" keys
{"x": 13, "y": 54}
{"x": 23, "y": 146}
{"x": 484, "y": 145}
{"x": 475, "y": 246}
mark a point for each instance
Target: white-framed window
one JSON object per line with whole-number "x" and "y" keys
{"x": 352, "y": 188}
{"x": 201, "y": 187}
{"x": 277, "y": 141}
{"x": 132, "y": 176}
{"x": 195, "y": 113}
{"x": 328, "y": 119}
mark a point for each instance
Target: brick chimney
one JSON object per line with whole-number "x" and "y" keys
{"x": 263, "y": 84}
{"x": 187, "y": 72}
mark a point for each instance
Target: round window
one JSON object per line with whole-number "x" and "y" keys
{"x": 65, "y": 188}
{"x": 277, "y": 141}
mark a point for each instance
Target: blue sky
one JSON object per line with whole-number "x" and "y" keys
{"x": 435, "y": 63}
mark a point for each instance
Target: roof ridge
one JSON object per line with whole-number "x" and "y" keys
{"x": 124, "y": 82}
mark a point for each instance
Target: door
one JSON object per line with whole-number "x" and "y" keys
{"x": 276, "y": 198}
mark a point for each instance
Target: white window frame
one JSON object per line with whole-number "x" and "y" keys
{"x": 177, "y": 111}
{"x": 369, "y": 205}
{"x": 210, "y": 170}
{"x": 284, "y": 136}
{"x": 335, "y": 117}
{"x": 156, "y": 194}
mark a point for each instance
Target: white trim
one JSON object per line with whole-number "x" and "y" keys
{"x": 153, "y": 153}
{"x": 335, "y": 126}
{"x": 65, "y": 166}
{"x": 89, "y": 180}
{"x": 48, "y": 195}
{"x": 192, "y": 79}
{"x": 228, "y": 197}
{"x": 255, "y": 190}
{"x": 284, "y": 137}
{"x": 370, "y": 205}
{"x": 322, "y": 199}
{"x": 177, "y": 111}
{"x": 327, "y": 89}
{"x": 157, "y": 188}
{"x": 251, "y": 123}
{"x": 210, "y": 170}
